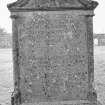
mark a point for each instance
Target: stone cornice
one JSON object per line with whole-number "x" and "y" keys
{"x": 52, "y": 5}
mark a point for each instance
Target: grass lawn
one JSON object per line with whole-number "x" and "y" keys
{"x": 99, "y": 56}
{"x": 6, "y": 74}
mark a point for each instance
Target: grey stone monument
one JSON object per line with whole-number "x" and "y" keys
{"x": 53, "y": 52}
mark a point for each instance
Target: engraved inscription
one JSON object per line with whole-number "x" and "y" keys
{"x": 53, "y": 57}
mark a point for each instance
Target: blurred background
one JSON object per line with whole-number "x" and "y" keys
{"x": 6, "y": 65}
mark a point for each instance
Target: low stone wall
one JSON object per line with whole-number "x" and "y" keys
{"x": 5, "y": 41}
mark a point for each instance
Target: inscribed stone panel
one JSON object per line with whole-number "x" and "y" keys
{"x": 53, "y": 57}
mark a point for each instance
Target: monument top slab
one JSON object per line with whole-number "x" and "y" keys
{"x": 52, "y": 5}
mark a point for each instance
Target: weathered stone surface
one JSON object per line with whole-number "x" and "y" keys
{"x": 53, "y": 56}
{"x": 53, "y": 53}
{"x": 52, "y": 4}
{"x": 80, "y": 102}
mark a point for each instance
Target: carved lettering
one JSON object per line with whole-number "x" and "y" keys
{"x": 53, "y": 57}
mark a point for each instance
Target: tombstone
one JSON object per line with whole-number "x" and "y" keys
{"x": 96, "y": 41}
{"x": 53, "y": 52}
{"x": 99, "y": 39}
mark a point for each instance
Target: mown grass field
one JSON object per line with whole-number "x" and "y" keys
{"x": 6, "y": 74}
{"x": 99, "y": 63}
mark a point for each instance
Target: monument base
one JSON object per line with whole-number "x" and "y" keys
{"x": 79, "y": 102}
